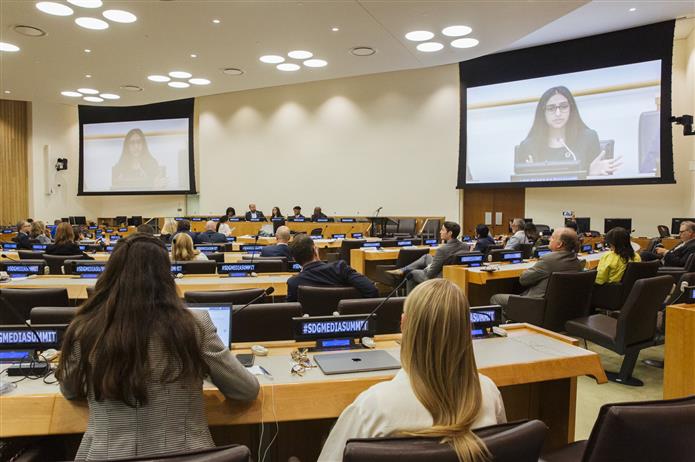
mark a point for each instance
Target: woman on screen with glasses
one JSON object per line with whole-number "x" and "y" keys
{"x": 559, "y": 135}
{"x": 139, "y": 358}
{"x": 438, "y": 393}
{"x": 137, "y": 168}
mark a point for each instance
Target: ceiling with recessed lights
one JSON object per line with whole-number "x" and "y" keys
{"x": 149, "y": 51}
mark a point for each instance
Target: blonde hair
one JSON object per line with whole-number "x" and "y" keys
{"x": 38, "y": 229}
{"x": 437, "y": 354}
{"x": 169, "y": 227}
{"x": 182, "y": 248}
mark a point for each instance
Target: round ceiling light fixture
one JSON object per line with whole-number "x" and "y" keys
{"x": 91, "y": 23}
{"x": 465, "y": 43}
{"x": 56, "y": 9}
{"x": 132, "y": 88}
{"x": 315, "y": 63}
{"x": 93, "y": 99}
{"x": 180, "y": 74}
{"x": 158, "y": 78}
{"x": 429, "y": 47}
{"x": 29, "y": 31}
{"x": 109, "y": 96}
{"x": 71, "y": 94}
{"x": 288, "y": 67}
{"x": 300, "y": 54}
{"x": 179, "y": 84}
{"x": 122, "y": 16}
{"x": 87, "y": 3}
{"x": 271, "y": 59}
{"x": 88, "y": 91}
{"x": 4, "y": 46}
{"x": 199, "y": 81}
{"x": 419, "y": 35}
{"x": 362, "y": 51}
{"x": 456, "y": 31}
{"x": 232, "y": 71}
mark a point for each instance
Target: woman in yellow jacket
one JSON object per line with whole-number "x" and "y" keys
{"x": 612, "y": 265}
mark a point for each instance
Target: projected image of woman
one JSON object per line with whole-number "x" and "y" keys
{"x": 137, "y": 168}
{"x": 559, "y": 134}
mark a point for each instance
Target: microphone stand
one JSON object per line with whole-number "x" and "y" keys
{"x": 368, "y": 341}
{"x": 265, "y": 293}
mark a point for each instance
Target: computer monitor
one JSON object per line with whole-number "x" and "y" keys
{"x": 470, "y": 259}
{"x": 135, "y": 221}
{"x": 78, "y": 220}
{"x": 18, "y": 342}
{"x": 676, "y": 224}
{"x": 121, "y": 220}
{"x": 528, "y": 220}
{"x": 221, "y": 316}
{"x": 22, "y": 268}
{"x": 583, "y": 224}
{"x": 610, "y": 223}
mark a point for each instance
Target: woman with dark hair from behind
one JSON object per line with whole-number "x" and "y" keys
{"x": 65, "y": 242}
{"x": 612, "y": 265}
{"x": 223, "y": 226}
{"x": 144, "y": 389}
{"x": 532, "y": 233}
{"x": 559, "y": 134}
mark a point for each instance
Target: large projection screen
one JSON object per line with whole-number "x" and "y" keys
{"x": 583, "y": 112}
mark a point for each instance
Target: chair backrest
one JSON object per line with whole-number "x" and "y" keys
{"x": 568, "y": 296}
{"x": 408, "y": 256}
{"x": 55, "y": 262}
{"x": 406, "y": 226}
{"x": 526, "y": 250}
{"x": 198, "y": 266}
{"x": 323, "y": 301}
{"x": 256, "y": 258}
{"x": 30, "y": 255}
{"x": 637, "y": 320}
{"x": 431, "y": 228}
{"x": 23, "y": 300}
{"x": 347, "y": 245}
{"x": 664, "y": 231}
{"x": 690, "y": 263}
{"x": 233, "y": 453}
{"x": 270, "y": 266}
{"x": 542, "y": 228}
{"x": 69, "y": 266}
{"x": 235, "y": 297}
{"x": 391, "y": 226}
{"x": 52, "y": 314}
{"x": 653, "y": 242}
{"x": 217, "y": 257}
{"x": 676, "y": 295}
{"x": 492, "y": 247}
{"x": 513, "y": 442}
{"x": 390, "y": 242}
{"x": 643, "y": 431}
{"x": 636, "y": 271}
{"x": 317, "y": 232}
{"x": 388, "y": 318}
{"x": 264, "y": 322}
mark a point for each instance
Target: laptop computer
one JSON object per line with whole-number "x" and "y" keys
{"x": 356, "y": 361}
{"x": 221, "y": 316}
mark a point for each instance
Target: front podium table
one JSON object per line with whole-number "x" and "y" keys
{"x": 679, "y": 352}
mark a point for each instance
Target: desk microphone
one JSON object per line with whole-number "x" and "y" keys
{"x": 4, "y": 255}
{"x": 571, "y": 153}
{"x": 368, "y": 341}
{"x": 265, "y": 293}
{"x": 255, "y": 244}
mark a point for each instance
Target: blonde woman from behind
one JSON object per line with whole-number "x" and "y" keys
{"x": 438, "y": 392}
{"x": 182, "y": 249}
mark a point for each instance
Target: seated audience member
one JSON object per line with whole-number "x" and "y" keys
{"x": 563, "y": 257}
{"x": 281, "y": 249}
{"x": 678, "y": 255}
{"x": 23, "y": 240}
{"x": 531, "y": 232}
{"x": 230, "y": 213}
{"x": 318, "y": 214}
{"x": 182, "y": 249}
{"x": 65, "y": 242}
{"x": 39, "y": 233}
{"x": 223, "y": 226}
{"x": 429, "y": 267}
{"x": 168, "y": 231}
{"x": 145, "y": 389}
{"x": 317, "y": 273}
{"x": 146, "y": 229}
{"x": 438, "y": 393}
{"x": 183, "y": 226}
{"x": 254, "y": 214}
{"x": 297, "y": 212}
{"x": 77, "y": 232}
{"x": 55, "y": 226}
{"x": 210, "y": 236}
{"x": 612, "y": 265}
{"x": 518, "y": 236}
{"x": 483, "y": 239}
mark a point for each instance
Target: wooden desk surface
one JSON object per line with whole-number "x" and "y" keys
{"x": 679, "y": 351}
{"x": 359, "y": 257}
{"x": 668, "y": 242}
{"x": 242, "y": 228}
{"x": 529, "y": 355}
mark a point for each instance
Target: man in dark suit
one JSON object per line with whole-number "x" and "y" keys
{"x": 317, "y": 273}
{"x": 564, "y": 244}
{"x": 183, "y": 226}
{"x": 253, "y": 214}
{"x": 678, "y": 255}
{"x": 483, "y": 239}
{"x": 210, "y": 235}
{"x": 318, "y": 214}
{"x": 281, "y": 249}
{"x": 297, "y": 213}
{"x": 23, "y": 240}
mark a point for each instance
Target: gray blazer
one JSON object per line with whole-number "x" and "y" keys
{"x": 515, "y": 241}
{"x": 444, "y": 252}
{"x": 174, "y": 417}
{"x": 536, "y": 277}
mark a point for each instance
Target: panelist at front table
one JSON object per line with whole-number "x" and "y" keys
{"x": 254, "y": 214}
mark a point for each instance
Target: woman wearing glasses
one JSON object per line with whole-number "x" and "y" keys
{"x": 438, "y": 393}
{"x": 560, "y": 135}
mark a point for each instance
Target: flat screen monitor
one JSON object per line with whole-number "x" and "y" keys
{"x": 16, "y": 337}
{"x": 583, "y": 224}
{"x": 676, "y": 224}
{"x": 470, "y": 259}
{"x": 371, "y": 245}
{"x": 21, "y": 269}
{"x": 610, "y": 223}
{"x": 539, "y": 252}
{"x": 405, "y": 243}
{"x": 221, "y": 316}
{"x": 483, "y": 318}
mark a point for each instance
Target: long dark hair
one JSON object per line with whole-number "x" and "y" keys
{"x": 147, "y": 161}
{"x": 135, "y": 303}
{"x": 230, "y": 212}
{"x": 619, "y": 239}
{"x": 279, "y": 214}
{"x": 531, "y": 232}
{"x": 538, "y": 135}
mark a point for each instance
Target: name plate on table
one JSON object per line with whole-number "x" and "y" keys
{"x": 431, "y": 242}
{"x": 179, "y": 218}
{"x": 347, "y": 326}
{"x": 316, "y": 237}
{"x": 322, "y": 220}
{"x": 7, "y": 231}
{"x": 114, "y": 237}
{"x": 295, "y": 268}
{"x": 92, "y": 227}
{"x": 89, "y": 271}
{"x": 19, "y": 270}
{"x": 587, "y": 248}
{"x": 297, "y": 220}
{"x": 109, "y": 248}
{"x": 347, "y": 220}
{"x": 196, "y": 219}
{"x": 371, "y": 245}
{"x": 122, "y": 230}
{"x": 176, "y": 269}
{"x": 513, "y": 257}
{"x": 470, "y": 260}
{"x": 255, "y": 219}
{"x": 357, "y": 235}
{"x": 109, "y": 230}
{"x": 208, "y": 248}
{"x": 18, "y": 336}
{"x": 483, "y": 318}
{"x": 9, "y": 246}
{"x": 231, "y": 238}
{"x": 338, "y": 236}
{"x": 251, "y": 248}
{"x": 235, "y": 219}
{"x": 236, "y": 269}
{"x": 277, "y": 219}
{"x": 405, "y": 243}
{"x": 38, "y": 246}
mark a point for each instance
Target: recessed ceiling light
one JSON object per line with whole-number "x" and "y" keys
{"x": 287, "y": 67}
{"x": 632, "y": 9}
{"x": 178, "y": 84}
{"x": 87, "y": 50}
{"x": 456, "y": 31}
{"x": 464, "y": 43}
{"x": 419, "y": 35}
{"x": 429, "y": 47}
{"x": 232, "y": 71}
{"x": 29, "y": 31}
{"x": 57, "y": 9}
{"x": 93, "y": 99}
{"x": 92, "y": 23}
{"x": 133, "y": 88}
{"x": 89, "y": 76}
{"x": 216, "y": 21}
{"x": 87, "y": 3}
{"x": 71, "y": 94}
{"x": 122, "y": 16}
{"x": 180, "y": 74}
{"x": 335, "y": 29}
{"x": 4, "y": 46}
{"x": 158, "y": 78}
{"x": 109, "y": 96}
{"x": 300, "y": 54}
{"x": 271, "y": 59}
{"x": 193, "y": 55}
{"x": 88, "y": 91}
{"x": 199, "y": 81}
{"x": 315, "y": 63}
{"x": 362, "y": 51}
{"x": 7, "y": 92}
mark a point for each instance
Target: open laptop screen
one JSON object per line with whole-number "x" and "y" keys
{"x": 221, "y": 316}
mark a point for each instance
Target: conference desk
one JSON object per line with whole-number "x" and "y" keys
{"x": 98, "y": 256}
{"x": 242, "y": 228}
{"x": 667, "y": 242}
{"x": 679, "y": 351}
{"x": 535, "y": 369}
{"x": 77, "y": 287}
{"x": 365, "y": 260}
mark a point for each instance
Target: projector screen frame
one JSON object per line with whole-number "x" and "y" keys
{"x": 629, "y": 46}
{"x": 179, "y": 109}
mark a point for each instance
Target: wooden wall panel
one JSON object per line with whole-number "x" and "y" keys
{"x": 511, "y": 202}
{"x": 14, "y": 167}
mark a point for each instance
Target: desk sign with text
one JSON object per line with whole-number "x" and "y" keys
{"x": 345, "y": 326}
{"x": 236, "y": 269}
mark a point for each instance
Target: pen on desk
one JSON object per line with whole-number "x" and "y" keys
{"x": 265, "y": 371}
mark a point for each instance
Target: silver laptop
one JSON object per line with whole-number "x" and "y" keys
{"x": 356, "y": 361}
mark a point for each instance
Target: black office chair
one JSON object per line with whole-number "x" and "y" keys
{"x": 52, "y": 314}
{"x": 346, "y": 246}
{"x": 405, "y": 257}
{"x": 431, "y": 229}
{"x": 235, "y": 297}
{"x": 664, "y": 231}
{"x": 676, "y": 271}
{"x": 388, "y": 319}
{"x": 543, "y": 229}
{"x": 567, "y": 296}
{"x": 510, "y": 442}
{"x": 610, "y": 297}
{"x": 30, "y": 255}
{"x": 323, "y": 301}
{"x": 197, "y": 266}
{"x": 632, "y": 331}
{"x": 270, "y": 266}
{"x": 55, "y": 262}
{"x": 317, "y": 232}
{"x": 217, "y": 257}
{"x": 23, "y": 300}
{"x": 265, "y": 322}
{"x": 406, "y": 228}
{"x": 653, "y": 242}
{"x": 256, "y": 258}
{"x": 526, "y": 251}
{"x": 233, "y": 453}
{"x": 390, "y": 242}
{"x": 636, "y": 432}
